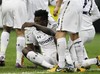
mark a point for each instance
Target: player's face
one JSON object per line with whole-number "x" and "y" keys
{"x": 40, "y": 21}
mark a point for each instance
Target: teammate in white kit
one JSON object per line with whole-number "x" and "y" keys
{"x": 32, "y": 7}
{"x": 87, "y": 32}
{"x": 14, "y": 15}
{"x": 69, "y": 21}
{"x": 48, "y": 56}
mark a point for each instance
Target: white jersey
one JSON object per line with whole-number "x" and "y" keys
{"x": 90, "y": 14}
{"x": 14, "y": 13}
{"x": 45, "y": 41}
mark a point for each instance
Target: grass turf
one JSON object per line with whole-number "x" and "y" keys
{"x": 93, "y": 50}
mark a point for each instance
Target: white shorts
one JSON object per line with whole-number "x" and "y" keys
{"x": 70, "y": 16}
{"x": 87, "y": 35}
{"x": 14, "y": 13}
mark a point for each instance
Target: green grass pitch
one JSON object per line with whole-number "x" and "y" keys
{"x": 92, "y": 48}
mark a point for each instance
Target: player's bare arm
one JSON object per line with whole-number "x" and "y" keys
{"x": 27, "y": 24}
{"x": 58, "y": 5}
{"x": 39, "y": 27}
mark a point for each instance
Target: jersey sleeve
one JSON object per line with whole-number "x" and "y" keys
{"x": 95, "y": 14}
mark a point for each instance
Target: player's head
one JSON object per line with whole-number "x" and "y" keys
{"x": 41, "y": 17}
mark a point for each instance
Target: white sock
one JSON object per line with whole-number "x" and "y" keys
{"x": 61, "y": 46}
{"x": 68, "y": 57}
{"x": 39, "y": 59}
{"x": 72, "y": 50}
{"x": 89, "y": 62}
{"x": 19, "y": 46}
{"x": 85, "y": 53}
{"x": 78, "y": 45}
{"x": 73, "y": 54}
{"x": 46, "y": 64}
{"x": 4, "y": 42}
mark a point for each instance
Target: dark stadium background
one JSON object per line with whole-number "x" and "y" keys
{"x": 97, "y": 23}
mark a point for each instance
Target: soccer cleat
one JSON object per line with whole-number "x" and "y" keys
{"x": 70, "y": 68}
{"x": 53, "y": 69}
{"x": 2, "y": 62}
{"x": 18, "y": 65}
{"x": 81, "y": 70}
{"x": 56, "y": 69}
{"x": 98, "y": 61}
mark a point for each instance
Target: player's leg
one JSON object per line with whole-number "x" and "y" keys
{"x": 63, "y": 52}
{"x": 61, "y": 47}
{"x": 72, "y": 50}
{"x": 20, "y": 17}
{"x": 20, "y": 44}
{"x": 92, "y": 61}
{"x": 87, "y": 36}
{"x": 4, "y": 42}
{"x": 78, "y": 46}
{"x": 51, "y": 57}
{"x": 36, "y": 57}
{"x": 7, "y": 25}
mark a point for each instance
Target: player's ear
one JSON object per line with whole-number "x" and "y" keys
{"x": 37, "y": 19}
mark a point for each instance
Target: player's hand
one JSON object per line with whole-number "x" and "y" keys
{"x": 55, "y": 13}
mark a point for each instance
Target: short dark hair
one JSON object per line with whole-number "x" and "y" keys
{"x": 0, "y": 2}
{"x": 41, "y": 13}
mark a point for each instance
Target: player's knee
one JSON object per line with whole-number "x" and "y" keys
{"x": 7, "y": 29}
{"x": 25, "y": 51}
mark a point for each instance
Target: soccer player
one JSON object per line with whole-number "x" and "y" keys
{"x": 87, "y": 32}
{"x": 48, "y": 56}
{"x": 32, "y": 7}
{"x": 14, "y": 15}
{"x": 36, "y": 5}
{"x": 69, "y": 21}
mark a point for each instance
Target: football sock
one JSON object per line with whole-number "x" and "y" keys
{"x": 4, "y": 42}
{"x": 78, "y": 45}
{"x": 89, "y": 62}
{"x": 19, "y": 46}
{"x": 61, "y": 46}
{"x": 85, "y": 53}
{"x": 38, "y": 58}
